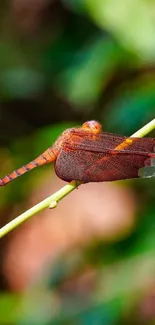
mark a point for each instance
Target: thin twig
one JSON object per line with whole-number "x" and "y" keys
{"x": 52, "y": 200}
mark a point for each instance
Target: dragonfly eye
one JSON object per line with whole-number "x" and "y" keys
{"x": 92, "y": 126}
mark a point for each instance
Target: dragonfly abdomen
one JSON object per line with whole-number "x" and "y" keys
{"x": 18, "y": 172}
{"x": 45, "y": 158}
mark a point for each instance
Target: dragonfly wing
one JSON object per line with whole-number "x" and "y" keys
{"x": 106, "y": 141}
{"x": 87, "y": 166}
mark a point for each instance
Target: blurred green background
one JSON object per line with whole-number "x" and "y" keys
{"x": 92, "y": 259}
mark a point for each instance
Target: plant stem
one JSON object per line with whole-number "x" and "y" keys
{"x": 52, "y": 200}
{"x": 145, "y": 129}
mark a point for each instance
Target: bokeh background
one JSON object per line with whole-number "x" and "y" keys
{"x": 92, "y": 259}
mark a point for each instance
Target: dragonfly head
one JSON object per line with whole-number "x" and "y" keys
{"x": 92, "y": 126}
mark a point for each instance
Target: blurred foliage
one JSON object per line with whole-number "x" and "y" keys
{"x": 61, "y": 63}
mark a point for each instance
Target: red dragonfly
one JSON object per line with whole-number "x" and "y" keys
{"x": 87, "y": 154}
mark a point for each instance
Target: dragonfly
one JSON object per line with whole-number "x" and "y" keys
{"x": 87, "y": 154}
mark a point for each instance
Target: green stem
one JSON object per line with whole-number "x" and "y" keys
{"x": 52, "y": 200}
{"x": 144, "y": 130}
